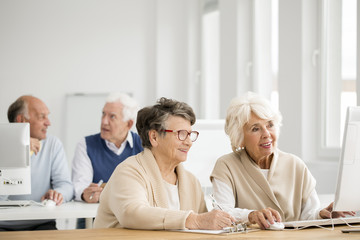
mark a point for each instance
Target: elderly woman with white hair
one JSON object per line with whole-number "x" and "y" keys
{"x": 257, "y": 182}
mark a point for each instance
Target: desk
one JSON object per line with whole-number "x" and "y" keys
{"x": 111, "y": 233}
{"x": 66, "y": 210}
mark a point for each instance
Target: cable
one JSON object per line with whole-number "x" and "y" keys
{"x": 331, "y": 219}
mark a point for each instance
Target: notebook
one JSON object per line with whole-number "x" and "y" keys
{"x": 238, "y": 228}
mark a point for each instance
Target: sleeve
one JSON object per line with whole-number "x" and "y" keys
{"x": 130, "y": 202}
{"x": 82, "y": 171}
{"x": 311, "y": 208}
{"x": 60, "y": 174}
{"x": 225, "y": 198}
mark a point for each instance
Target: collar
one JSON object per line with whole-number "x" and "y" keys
{"x": 116, "y": 149}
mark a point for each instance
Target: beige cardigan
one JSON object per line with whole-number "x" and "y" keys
{"x": 135, "y": 196}
{"x": 287, "y": 188}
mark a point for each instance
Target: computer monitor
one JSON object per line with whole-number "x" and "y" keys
{"x": 347, "y": 194}
{"x": 15, "y": 170}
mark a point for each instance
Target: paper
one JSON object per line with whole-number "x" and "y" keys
{"x": 228, "y": 230}
{"x": 205, "y": 231}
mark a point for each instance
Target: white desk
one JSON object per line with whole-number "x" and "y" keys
{"x": 65, "y": 210}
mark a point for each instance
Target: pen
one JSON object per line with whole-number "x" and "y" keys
{"x": 99, "y": 184}
{"x": 214, "y": 202}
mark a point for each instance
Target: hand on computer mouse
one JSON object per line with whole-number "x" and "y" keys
{"x": 276, "y": 226}
{"x": 264, "y": 217}
{"x": 53, "y": 195}
{"x": 48, "y": 203}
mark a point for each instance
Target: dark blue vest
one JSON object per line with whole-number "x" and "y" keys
{"x": 103, "y": 160}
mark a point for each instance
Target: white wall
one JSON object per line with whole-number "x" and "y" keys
{"x": 151, "y": 49}
{"x": 53, "y": 48}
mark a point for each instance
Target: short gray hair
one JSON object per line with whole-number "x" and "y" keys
{"x": 239, "y": 113}
{"x": 130, "y": 108}
{"x": 154, "y": 117}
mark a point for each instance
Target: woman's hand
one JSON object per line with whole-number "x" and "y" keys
{"x": 264, "y": 217}
{"x": 327, "y": 212}
{"x": 214, "y": 220}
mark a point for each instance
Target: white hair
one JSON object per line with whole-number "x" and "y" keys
{"x": 130, "y": 108}
{"x": 239, "y": 113}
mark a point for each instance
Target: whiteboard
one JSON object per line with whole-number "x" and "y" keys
{"x": 82, "y": 118}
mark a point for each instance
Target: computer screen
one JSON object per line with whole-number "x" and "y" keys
{"x": 347, "y": 194}
{"x": 15, "y": 170}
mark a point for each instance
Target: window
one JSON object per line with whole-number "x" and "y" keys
{"x": 275, "y": 51}
{"x": 254, "y": 66}
{"x": 338, "y": 70}
{"x": 210, "y": 61}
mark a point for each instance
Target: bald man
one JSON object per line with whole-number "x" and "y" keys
{"x": 50, "y": 175}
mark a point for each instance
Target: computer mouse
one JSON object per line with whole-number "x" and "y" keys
{"x": 48, "y": 203}
{"x": 276, "y": 226}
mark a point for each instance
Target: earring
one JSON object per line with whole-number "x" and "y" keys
{"x": 240, "y": 148}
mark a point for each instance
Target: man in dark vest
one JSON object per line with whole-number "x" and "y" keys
{"x": 96, "y": 156}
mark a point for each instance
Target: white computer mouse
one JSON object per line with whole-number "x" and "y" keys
{"x": 48, "y": 203}
{"x": 276, "y": 226}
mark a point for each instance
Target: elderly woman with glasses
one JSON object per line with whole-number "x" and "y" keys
{"x": 257, "y": 182}
{"x": 152, "y": 190}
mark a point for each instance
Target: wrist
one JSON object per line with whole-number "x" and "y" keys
{"x": 191, "y": 221}
{"x": 82, "y": 197}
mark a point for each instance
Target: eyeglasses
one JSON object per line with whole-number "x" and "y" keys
{"x": 183, "y": 134}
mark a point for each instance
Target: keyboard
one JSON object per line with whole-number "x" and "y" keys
{"x": 15, "y": 203}
{"x": 321, "y": 222}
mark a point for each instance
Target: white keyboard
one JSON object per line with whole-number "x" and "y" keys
{"x": 15, "y": 203}
{"x": 321, "y": 222}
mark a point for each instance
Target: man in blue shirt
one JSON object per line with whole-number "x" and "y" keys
{"x": 50, "y": 175}
{"x": 96, "y": 156}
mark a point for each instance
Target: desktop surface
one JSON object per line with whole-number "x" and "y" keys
{"x": 111, "y": 233}
{"x": 65, "y": 210}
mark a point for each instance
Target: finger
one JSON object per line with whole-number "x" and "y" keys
{"x": 94, "y": 189}
{"x": 276, "y": 215}
{"x": 269, "y": 216}
{"x": 349, "y": 213}
{"x": 261, "y": 221}
{"x": 339, "y": 214}
{"x": 96, "y": 197}
{"x": 50, "y": 194}
{"x": 35, "y": 150}
{"x": 224, "y": 222}
{"x": 94, "y": 185}
{"x": 60, "y": 199}
{"x": 56, "y": 196}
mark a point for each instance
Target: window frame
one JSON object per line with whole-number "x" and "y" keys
{"x": 330, "y": 76}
